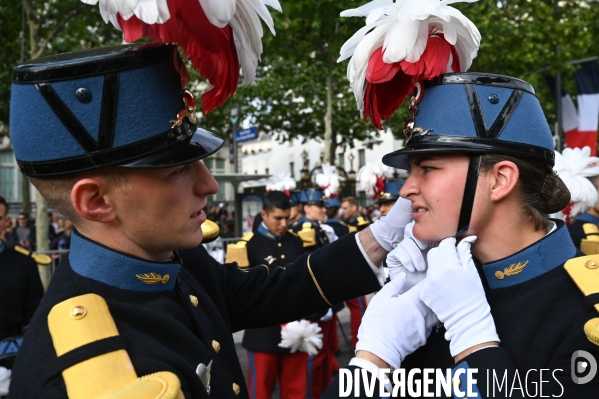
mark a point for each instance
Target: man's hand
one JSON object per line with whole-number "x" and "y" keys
{"x": 409, "y": 257}
{"x": 389, "y": 230}
{"x": 394, "y": 325}
{"x": 453, "y": 290}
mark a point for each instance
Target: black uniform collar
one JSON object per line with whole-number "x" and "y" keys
{"x": 533, "y": 261}
{"x": 97, "y": 262}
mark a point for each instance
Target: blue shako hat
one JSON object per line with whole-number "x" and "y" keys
{"x": 313, "y": 196}
{"x": 391, "y": 192}
{"x": 477, "y": 113}
{"x": 295, "y": 197}
{"x": 332, "y": 203}
{"x": 115, "y": 106}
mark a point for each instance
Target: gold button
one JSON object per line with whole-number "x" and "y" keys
{"x": 280, "y": 245}
{"x": 499, "y": 274}
{"x": 215, "y": 346}
{"x": 78, "y": 312}
{"x": 236, "y": 389}
{"x": 194, "y": 300}
{"x": 591, "y": 264}
{"x": 282, "y": 256}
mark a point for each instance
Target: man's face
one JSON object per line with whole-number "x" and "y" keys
{"x": 4, "y": 220}
{"x": 22, "y": 220}
{"x": 435, "y": 186}
{"x": 316, "y": 212}
{"x": 385, "y": 207}
{"x": 276, "y": 220}
{"x": 348, "y": 210}
{"x": 160, "y": 210}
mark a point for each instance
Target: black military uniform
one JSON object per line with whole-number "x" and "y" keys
{"x": 267, "y": 250}
{"x": 543, "y": 301}
{"x": 20, "y": 293}
{"x": 175, "y": 318}
{"x": 357, "y": 223}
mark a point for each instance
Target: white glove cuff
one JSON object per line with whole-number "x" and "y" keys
{"x": 471, "y": 335}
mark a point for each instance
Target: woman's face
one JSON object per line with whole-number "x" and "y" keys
{"x": 435, "y": 186}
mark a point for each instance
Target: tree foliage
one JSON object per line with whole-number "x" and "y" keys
{"x": 522, "y": 38}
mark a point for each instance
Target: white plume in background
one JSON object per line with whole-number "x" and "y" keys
{"x": 371, "y": 176}
{"x": 282, "y": 182}
{"x": 329, "y": 180}
{"x": 574, "y": 166}
{"x": 301, "y": 336}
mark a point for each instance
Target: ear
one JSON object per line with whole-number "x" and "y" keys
{"x": 263, "y": 213}
{"x": 89, "y": 199}
{"x": 503, "y": 179}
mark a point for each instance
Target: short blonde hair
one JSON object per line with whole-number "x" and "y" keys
{"x": 57, "y": 190}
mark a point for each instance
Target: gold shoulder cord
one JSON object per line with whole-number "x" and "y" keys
{"x": 584, "y": 271}
{"x": 316, "y": 283}
{"x": 85, "y": 319}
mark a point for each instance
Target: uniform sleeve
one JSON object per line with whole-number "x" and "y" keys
{"x": 259, "y": 297}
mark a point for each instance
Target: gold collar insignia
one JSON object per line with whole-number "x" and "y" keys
{"x": 153, "y": 278}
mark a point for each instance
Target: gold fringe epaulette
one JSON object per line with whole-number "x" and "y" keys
{"x": 590, "y": 244}
{"x": 81, "y": 320}
{"x": 584, "y": 270}
{"x": 307, "y": 234}
{"x": 238, "y": 252}
{"x": 362, "y": 222}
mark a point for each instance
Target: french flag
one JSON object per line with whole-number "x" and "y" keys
{"x": 587, "y": 85}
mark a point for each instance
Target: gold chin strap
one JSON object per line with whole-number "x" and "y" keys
{"x": 85, "y": 319}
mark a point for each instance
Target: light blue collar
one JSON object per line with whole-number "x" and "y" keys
{"x": 262, "y": 229}
{"x": 333, "y": 220}
{"x": 585, "y": 217}
{"x": 97, "y": 262}
{"x": 539, "y": 258}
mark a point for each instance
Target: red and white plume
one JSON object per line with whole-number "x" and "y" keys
{"x": 404, "y": 42}
{"x": 372, "y": 178}
{"x": 282, "y": 182}
{"x": 574, "y": 166}
{"x": 329, "y": 180}
{"x": 217, "y": 36}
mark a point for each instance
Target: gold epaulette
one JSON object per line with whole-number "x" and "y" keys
{"x": 85, "y": 319}
{"x": 362, "y": 222}
{"x": 590, "y": 244}
{"x": 210, "y": 231}
{"x": 307, "y": 234}
{"x": 352, "y": 229}
{"x": 238, "y": 252}
{"x": 40, "y": 259}
{"x": 584, "y": 270}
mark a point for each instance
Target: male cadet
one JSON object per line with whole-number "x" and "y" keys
{"x": 271, "y": 247}
{"x": 114, "y": 148}
{"x": 351, "y": 216}
{"x": 389, "y": 196}
{"x": 340, "y": 228}
{"x": 20, "y": 293}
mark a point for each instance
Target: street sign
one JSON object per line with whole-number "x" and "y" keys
{"x": 246, "y": 134}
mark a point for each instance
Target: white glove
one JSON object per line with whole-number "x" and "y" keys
{"x": 4, "y": 381}
{"x": 388, "y": 230}
{"x": 453, "y": 290}
{"x": 409, "y": 257}
{"x": 328, "y": 316}
{"x": 394, "y": 325}
{"x": 330, "y": 232}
